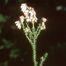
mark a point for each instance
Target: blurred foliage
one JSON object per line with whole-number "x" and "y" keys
{"x": 1, "y": 47}
{"x": 5, "y": 2}
{"x": 14, "y": 53}
{"x": 4, "y": 63}
{"x": 60, "y": 8}
{"x": 6, "y": 44}
{"x": 3, "y": 18}
{"x": 0, "y": 29}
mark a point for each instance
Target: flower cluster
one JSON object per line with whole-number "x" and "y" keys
{"x": 29, "y": 13}
{"x": 27, "y": 23}
{"x": 29, "y": 16}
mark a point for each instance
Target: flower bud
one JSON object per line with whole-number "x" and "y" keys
{"x": 27, "y": 30}
{"x": 44, "y": 19}
{"x": 18, "y": 24}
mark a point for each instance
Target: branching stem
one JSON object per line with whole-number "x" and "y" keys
{"x": 42, "y": 59}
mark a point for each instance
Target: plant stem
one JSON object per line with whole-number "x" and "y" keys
{"x": 42, "y": 59}
{"x": 34, "y": 55}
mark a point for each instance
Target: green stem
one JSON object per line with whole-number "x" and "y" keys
{"x": 34, "y": 55}
{"x": 33, "y": 25}
{"x": 42, "y": 59}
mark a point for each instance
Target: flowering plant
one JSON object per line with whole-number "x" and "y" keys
{"x": 29, "y": 18}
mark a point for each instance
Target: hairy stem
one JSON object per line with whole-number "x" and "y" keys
{"x": 42, "y": 59}
{"x": 34, "y": 55}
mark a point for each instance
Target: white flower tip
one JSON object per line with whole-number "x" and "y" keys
{"x": 22, "y": 19}
{"x": 23, "y": 7}
{"x": 44, "y": 19}
{"x": 28, "y": 20}
{"x": 18, "y": 24}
